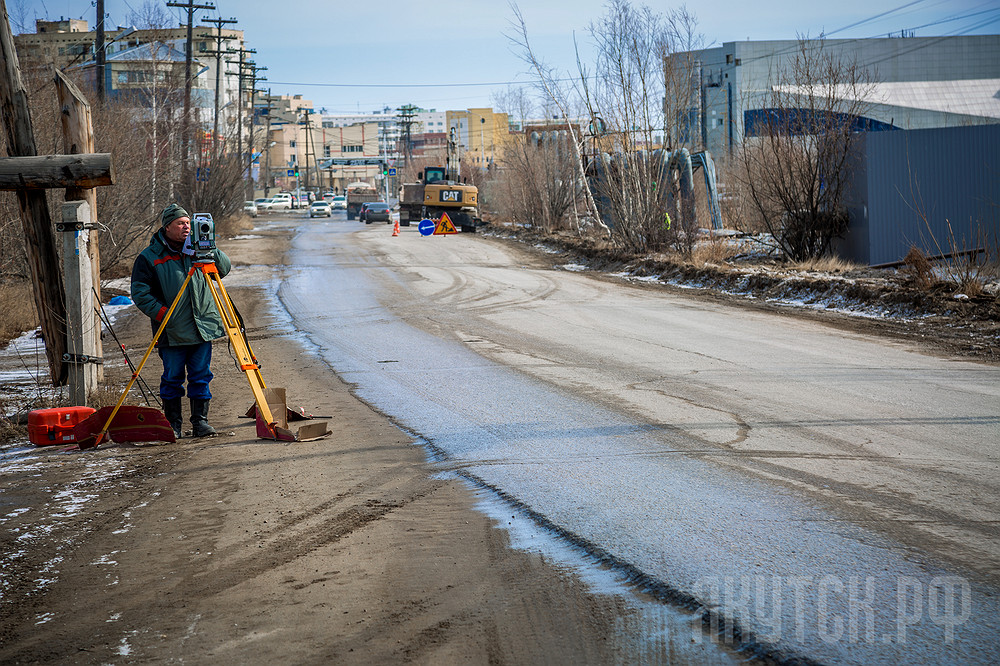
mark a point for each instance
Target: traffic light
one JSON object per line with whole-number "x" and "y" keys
{"x": 385, "y": 169}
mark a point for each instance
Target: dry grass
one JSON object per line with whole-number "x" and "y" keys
{"x": 714, "y": 251}
{"x": 18, "y": 312}
{"x": 234, "y": 225}
{"x": 918, "y": 269}
{"x": 828, "y": 264}
{"x": 9, "y": 431}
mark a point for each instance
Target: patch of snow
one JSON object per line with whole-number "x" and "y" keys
{"x": 121, "y": 284}
{"x": 44, "y": 617}
{"x": 106, "y": 559}
{"x": 575, "y": 268}
{"x": 246, "y": 237}
{"x": 16, "y": 512}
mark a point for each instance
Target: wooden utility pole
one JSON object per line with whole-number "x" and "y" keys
{"x": 83, "y": 357}
{"x": 267, "y": 145}
{"x": 79, "y": 348}
{"x": 254, "y": 79}
{"x": 78, "y": 138}
{"x": 217, "y": 52}
{"x": 35, "y": 221}
{"x": 186, "y": 119}
{"x": 309, "y": 161}
{"x": 99, "y": 52}
{"x": 241, "y": 75}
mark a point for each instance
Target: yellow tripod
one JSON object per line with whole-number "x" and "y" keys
{"x": 247, "y": 362}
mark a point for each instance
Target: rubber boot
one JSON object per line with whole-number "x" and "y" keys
{"x": 199, "y": 418}
{"x": 172, "y": 410}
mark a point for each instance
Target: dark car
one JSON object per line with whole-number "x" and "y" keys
{"x": 376, "y": 211}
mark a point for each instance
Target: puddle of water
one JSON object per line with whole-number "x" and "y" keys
{"x": 649, "y": 631}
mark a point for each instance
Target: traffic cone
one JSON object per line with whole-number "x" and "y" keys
{"x": 395, "y": 228}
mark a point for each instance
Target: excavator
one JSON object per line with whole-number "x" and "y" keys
{"x": 438, "y": 191}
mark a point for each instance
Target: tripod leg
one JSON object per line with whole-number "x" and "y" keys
{"x": 246, "y": 360}
{"x": 135, "y": 375}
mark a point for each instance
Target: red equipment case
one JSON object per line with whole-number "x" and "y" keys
{"x": 55, "y": 426}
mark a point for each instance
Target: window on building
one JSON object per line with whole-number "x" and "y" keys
{"x": 326, "y": 151}
{"x": 291, "y": 144}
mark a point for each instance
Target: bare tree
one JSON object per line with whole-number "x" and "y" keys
{"x": 537, "y": 183}
{"x": 640, "y": 99}
{"x": 797, "y": 148}
{"x": 150, "y": 15}
{"x": 20, "y": 22}
{"x": 552, "y": 86}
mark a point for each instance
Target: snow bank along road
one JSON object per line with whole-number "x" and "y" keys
{"x": 833, "y": 495}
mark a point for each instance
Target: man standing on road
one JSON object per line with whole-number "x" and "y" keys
{"x": 185, "y": 347}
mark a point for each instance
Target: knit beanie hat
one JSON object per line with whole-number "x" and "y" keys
{"x": 171, "y": 213}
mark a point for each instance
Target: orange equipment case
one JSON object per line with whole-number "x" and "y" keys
{"x": 55, "y": 426}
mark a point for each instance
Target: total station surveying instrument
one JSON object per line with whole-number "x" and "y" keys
{"x": 148, "y": 424}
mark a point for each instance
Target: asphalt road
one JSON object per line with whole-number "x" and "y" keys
{"x": 832, "y": 495}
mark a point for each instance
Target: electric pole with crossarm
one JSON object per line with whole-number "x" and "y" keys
{"x": 191, "y": 8}
{"x": 218, "y": 52}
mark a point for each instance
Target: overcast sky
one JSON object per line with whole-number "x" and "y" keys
{"x": 356, "y": 56}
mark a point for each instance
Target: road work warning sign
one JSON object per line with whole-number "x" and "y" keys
{"x": 445, "y": 226}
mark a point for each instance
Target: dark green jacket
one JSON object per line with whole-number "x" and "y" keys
{"x": 157, "y": 276}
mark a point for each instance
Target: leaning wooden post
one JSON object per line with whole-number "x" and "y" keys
{"x": 35, "y": 220}
{"x": 78, "y": 137}
{"x": 82, "y": 357}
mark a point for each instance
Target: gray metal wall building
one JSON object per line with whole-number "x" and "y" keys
{"x": 909, "y": 186}
{"x": 924, "y": 82}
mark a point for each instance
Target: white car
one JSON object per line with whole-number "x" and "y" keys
{"x": 339, "y": 203}
{"x": 250, "y": 208}
{"x": 281, "y": 201}
{"x": 318, "y": 208}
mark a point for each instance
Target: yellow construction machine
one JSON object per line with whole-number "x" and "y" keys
{"x": 438, "y": 191}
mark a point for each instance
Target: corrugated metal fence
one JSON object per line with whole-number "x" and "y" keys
{"x": 937, "y": 189}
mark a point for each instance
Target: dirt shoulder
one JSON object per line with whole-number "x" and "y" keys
{"x": 231, "y": 549}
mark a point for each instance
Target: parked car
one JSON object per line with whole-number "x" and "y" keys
{"x": 282, "y": 201}
{"x": 250, "y": 208}
{"x": 328, "y": 197}
{"x": 339, "y": 202}
{"x": 375, "y": 211}
{"x": 362, "y": 211}
{"x": 318, "y": 208}
{"x": 264, "y": 204}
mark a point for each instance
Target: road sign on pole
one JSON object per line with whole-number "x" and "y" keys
{"x": 445, "y": 226}
{"x": 426, "y": 227}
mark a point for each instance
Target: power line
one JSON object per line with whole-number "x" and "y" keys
{"x": 411, "y": 85}
{"x": 876, "y": 16}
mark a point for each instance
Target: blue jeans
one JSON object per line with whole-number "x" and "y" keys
{"x": 192, "y": 360}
